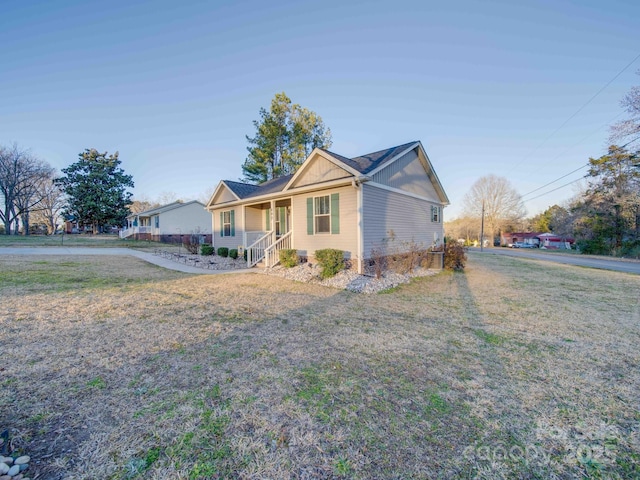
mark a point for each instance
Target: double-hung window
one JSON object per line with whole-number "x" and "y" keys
{"x": 227, "y": 227}
{"x": 322, "y": 214}
{"x": 435, "y": 214}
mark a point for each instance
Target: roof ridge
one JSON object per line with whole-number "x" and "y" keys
{"x": 386, "y": 149}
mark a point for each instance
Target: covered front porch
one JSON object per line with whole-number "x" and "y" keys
{"x": 267, "y": 230}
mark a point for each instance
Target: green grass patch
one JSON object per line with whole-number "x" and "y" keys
{"x": 490, "y": 338}
{"x": 97, "y": 382}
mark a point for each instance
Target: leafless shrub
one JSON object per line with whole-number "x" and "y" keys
{"x": 192, "y": 244}
{"x": 412, "y": 255}
{"x": 378, "y": 261}
{"x": 405, "y": 257}
{"x": 455, "y": 256}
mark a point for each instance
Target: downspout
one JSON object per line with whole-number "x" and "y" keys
{"x": 357, "y": 184}
{"x": 213, "y": 230}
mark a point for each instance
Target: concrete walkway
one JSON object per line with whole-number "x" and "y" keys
{"x": 147, "y": 257}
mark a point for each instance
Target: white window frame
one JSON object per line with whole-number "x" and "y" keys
{"x": 226, "y": 223}
{"x": 317, "y": 216}
{"x": 436, "y": 214}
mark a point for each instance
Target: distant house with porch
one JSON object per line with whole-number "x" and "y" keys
{"x": 170, "y": 223}
{"x": 553, "y": 241}
{"x": 537, "y": 239}
{"x": 529, "y": 238}
{"x": 387, "y": 198}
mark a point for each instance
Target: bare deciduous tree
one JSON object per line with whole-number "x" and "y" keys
{"x": 465, "y": 228}
{"x": 142, "y": 204}
{"x": 628, "y": 131}
{"x": 502, "y": 204}
{"x": 20, "y": 176}
{"x": 52, "y": 201}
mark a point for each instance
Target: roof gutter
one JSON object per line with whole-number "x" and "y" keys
{"x": 357, "y": 181}
{"x": 284, "y": 193}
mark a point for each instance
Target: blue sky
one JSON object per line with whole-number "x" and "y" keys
{"x": 175, "y": 86}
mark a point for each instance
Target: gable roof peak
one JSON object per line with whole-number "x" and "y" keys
{"x": 370, "y": 161}
{"x": 240, "y": 189}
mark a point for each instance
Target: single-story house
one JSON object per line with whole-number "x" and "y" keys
{"x": 537, "y": 239}
{"x": 553, "y": 241}
{"x": 529, "y": 238}
{"x": 385, "y": 199}
{"x": 174, "y": 222}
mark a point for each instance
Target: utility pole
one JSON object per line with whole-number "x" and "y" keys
{"x": 482, "y": 229}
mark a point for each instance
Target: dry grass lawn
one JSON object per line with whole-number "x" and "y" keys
{"x": 115, "y": 369}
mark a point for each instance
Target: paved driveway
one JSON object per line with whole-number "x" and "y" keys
{"x": 604, "y": 263}
{"x": 147, "y": 257}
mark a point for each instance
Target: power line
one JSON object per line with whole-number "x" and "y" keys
{"x": 554, "y": 181}
{"x": 558, "y": 188}
{"x": 576, "y": 112}
{"x": 577, "y": 179}
{"x": 609, "y": 152}
{"x": 608, "y": 123}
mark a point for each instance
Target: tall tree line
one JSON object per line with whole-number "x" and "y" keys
{"x": 92, "y": 192}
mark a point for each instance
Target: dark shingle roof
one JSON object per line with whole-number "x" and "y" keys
{"x": 245, "y": 190}
{"x": 363, "y": 164}
{"x": 271, "y": 186}
{"x": 242, "y": 190}
{"x": 371, "y": 161}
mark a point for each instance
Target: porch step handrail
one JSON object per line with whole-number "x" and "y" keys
{"x": 255, "y": 251}
{"x": 271, "y": 253}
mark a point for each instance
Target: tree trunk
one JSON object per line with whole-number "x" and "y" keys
{"x": 25, "y": 223}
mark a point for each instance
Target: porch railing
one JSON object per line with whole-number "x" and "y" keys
{"x": 271, "y": 253}
{"x": 255, "y": 251}
{"x": 133, "y": 230}
{"x": 251, "y": 237}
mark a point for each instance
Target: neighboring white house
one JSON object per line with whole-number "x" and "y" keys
{"x": 387, "y": 198}
{"x": 170, "y": 223}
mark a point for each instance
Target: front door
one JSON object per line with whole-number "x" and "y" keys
{"x": 282, "y": 221}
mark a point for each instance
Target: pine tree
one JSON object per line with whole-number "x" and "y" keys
{"x": 285, "y": 136}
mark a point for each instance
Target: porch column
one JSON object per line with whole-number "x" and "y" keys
{"x": 244, "y": 226}
{"x": 272, "y": 227}
{"x": 360, "y": 227}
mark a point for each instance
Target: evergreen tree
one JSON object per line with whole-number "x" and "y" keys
{"x": 96, "y": 190}
{"x": 611, "y": 206}
{"x": 285, "y": 136}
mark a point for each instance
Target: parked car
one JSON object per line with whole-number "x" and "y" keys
{"x": 523, "y": 245}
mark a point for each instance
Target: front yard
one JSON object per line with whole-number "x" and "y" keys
{"x": 121, "y": 373}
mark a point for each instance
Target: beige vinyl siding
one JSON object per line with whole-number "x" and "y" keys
{"x": 408, "y": 174}
{"x": 224, "y": 195}
{"x": 346, "y": 240}
{"x": 229, "y": 242}
{"x": 318, "y": 171}
{"x": 409, "y": 218}
{"x": 255, "y": 219}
